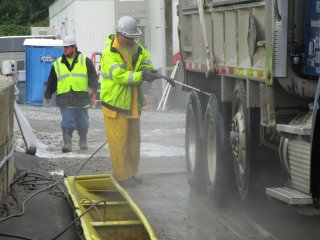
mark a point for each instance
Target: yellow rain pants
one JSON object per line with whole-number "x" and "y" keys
{"x": 124, "y": 145}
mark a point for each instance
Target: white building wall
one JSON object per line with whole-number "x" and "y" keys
{"x": 61, "y": 15}
{"x": 89, "y": 21}
{"x": 175, "y": 20}
{"x": 58, "y": 5}
{"x": 158, "y": 42}
{"x": 157, "y": 46}
{"x": 95, "y": 20}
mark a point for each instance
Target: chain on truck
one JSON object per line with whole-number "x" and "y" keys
{"x": 260, "y": 60}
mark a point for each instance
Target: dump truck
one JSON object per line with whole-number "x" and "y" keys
{"x": 255, "y": 65}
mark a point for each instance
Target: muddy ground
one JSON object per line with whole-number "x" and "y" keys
{"x": 162, "y": 148}
{"x": 162, "y": 158}
{"x": 175, "y": 212}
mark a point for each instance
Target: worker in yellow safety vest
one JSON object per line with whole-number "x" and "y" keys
{"x": 74, "y": 78}
{"x": 125, "y": 64}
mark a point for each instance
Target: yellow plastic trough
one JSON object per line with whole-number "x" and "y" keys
{"x": 117, "y": 218}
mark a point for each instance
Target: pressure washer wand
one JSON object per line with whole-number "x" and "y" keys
{"x": 173, "y": 82}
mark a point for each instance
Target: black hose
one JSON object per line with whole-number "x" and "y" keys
{"x": 78, "y": 218}
{"x": 75, "y": 177}
{"x": 91, "y": 156}
{"x": 25, "y": 201}
{"x": 44, "y": 178}
{"x": 16, "y": 236}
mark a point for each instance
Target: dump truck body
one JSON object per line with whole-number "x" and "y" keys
{"x": 260, "y": 60}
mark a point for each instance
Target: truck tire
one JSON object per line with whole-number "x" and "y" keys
{"x": 194, "y": 142}
{"x": 218, "y": 162}
{"x": 240, "y": 139}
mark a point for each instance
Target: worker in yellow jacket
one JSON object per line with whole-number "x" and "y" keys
{"x": 125, "y": 64}
{"x": 74, "y": 78}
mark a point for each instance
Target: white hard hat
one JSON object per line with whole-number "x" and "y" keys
{"x": 127, "y": 26}
{"x": 69, "y": 41}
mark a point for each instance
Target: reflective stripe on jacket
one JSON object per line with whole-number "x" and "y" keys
{"x": 77, "y": 79}
{"x": 117, "y": 79}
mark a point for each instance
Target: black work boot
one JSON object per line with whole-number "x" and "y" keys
{"x": 83, "y": 139}
{"x": 67, "y": 140}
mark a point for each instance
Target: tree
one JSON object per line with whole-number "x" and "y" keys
{"x": 17, "y": 17}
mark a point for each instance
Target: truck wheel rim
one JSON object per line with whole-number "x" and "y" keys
{"x": 239, "y": 145}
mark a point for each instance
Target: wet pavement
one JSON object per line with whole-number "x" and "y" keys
{"x": 32, "y": 213}
{"x": 173, "y": 210}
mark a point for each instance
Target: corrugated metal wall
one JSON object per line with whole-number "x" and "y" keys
{"x": 91, "y": 21}
{"x": 95, "y": 20}
{"x": 88, "y": 21}
{"x": 158, "y": 42}
{"x": 157, "y": 46}
{"x": 61, "y": 14}
{"x": 57, "y": 6}
{"x": 175, "y": 41}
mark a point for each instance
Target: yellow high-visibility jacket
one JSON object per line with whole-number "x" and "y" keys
{"x": 77, "y": 79}
{"x": 117, "y": 79}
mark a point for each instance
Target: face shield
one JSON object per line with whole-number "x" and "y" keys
{"x": 131, "y": 42}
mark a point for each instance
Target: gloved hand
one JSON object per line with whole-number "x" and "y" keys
{"x": 150, "y": 75}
